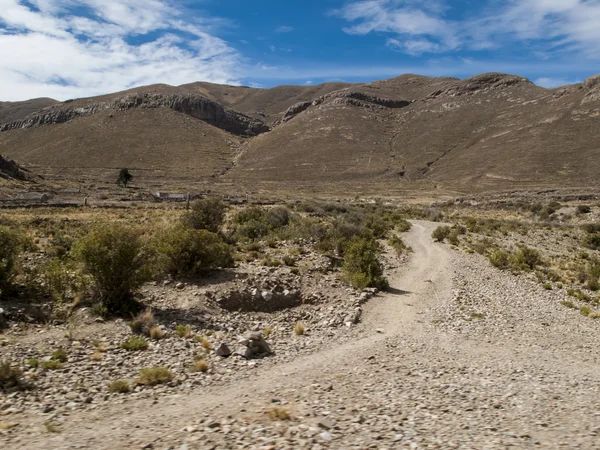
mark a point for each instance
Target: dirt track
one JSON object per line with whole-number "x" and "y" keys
{"x": 405, "y": 383}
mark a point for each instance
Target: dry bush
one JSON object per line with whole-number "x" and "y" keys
{"x": 441, "y": 233}
{"x": 279, "y": 414}
{"x": 200, "y": 366}
{"x": 183, "y": 331}
{"x": 156, "y": 334}
{"x": 119, "y": 387}
{"x": 205, "y": 214}
{"x": 154, "y": 376}
{"x": 10, "y": 377}
{"x": 299, "y": 329}
{"x": 135, "y": 343}
{"x": 96, "y": 357}
{"x": 143, "y": 322}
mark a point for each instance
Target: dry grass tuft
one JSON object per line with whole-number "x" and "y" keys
{"x": 96, "y": 356}
{"x": 183, "y": 331}
{"x": 135, "y": 343}
{"x": 143, "y": 323}
{"x": 154, "y": 376}
{"x": 200, "y": 366}
{"x": 119, "y": 387}
{"x": 279, "y": 414}
{"x": 156, "y": 334}
{"x": 299, "y": 329}
{"x": 52, "y": 427}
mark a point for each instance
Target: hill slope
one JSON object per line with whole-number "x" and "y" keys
{"x": 14, "y": 111}
{"x": 489, "y": 131}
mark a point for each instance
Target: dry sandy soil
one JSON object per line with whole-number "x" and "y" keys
{"x": 421, "y": 372}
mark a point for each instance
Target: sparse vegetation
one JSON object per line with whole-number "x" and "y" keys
{"x": 277, "y": 413}
{"x": 124, "y": 177}
{"x": 135, "y": 343}
{"x": 156, "y": 334}
{"x": 60, "y": 355}
{"x": 397, "y": 243}
{"x": 116, "y": 259}
{"x": 119, "y": 387}
{"x": 51, "y": 365}
{"x": 205, "y": 214}
{"x": 188, "y": 252}
{"x": 143, "y": 323}
{"x": 299, "y": 329}
{"x": 154, "y": 376}
{"x": 361, "y": 266}
{"x": 441, "y": 233}
{"x": 10, "y": 377}
{"x": 200, "y": 366}
{"x": 10, "y": 248}
{"x": 183, "y": 331}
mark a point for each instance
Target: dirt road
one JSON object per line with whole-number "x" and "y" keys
{"x": 415, "y": 377}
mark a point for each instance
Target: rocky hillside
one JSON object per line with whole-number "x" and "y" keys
{"x": 14, "y": 111}
{"x": 10, "y": 170}
{"x": 486, "y": 132}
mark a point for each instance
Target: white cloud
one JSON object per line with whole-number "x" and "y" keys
{"x": 284, "y": 29}
{"x": 547, "y": 27}
{"x": 50, "y": 50}
{"x": 550, "y": 83}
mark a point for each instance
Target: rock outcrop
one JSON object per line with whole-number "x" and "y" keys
{"x": 195, "y": 106}
{"x": 355, "y": 98}
{"x": 480, "y": 83}
{"x": 10, "y": 169}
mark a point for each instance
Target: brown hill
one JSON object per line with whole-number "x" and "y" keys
{"x": 489, "y": 131}
{"x": 14, "y": 111}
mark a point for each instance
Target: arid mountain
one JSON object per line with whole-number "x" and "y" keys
{"x": 486, "y": 132}
{"x": 14, "y": 111}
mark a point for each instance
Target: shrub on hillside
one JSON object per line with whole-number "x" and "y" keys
{"x": 500, "y": 258}
{"x": 205, "y": 214}
{"x": 186, "y": 252}
{"x": 361, "y": 266}
{"x": 116, "y": 259}
{"x": 592, "y": 241}
{"x": 583, "y": 209}
{"x": 527, "y": 258}
{"x": 255, "y": 222}
{"x": 11, "y": 245}
{"x": 398, "y": 245}
{"x": 441, "y": 233}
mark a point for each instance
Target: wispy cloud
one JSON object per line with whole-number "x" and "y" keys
{"x": 550, "y": 83}
{"x": 284, "y": 29}
{"x": 73, "y": 48}
{"x": 549, "y": 27}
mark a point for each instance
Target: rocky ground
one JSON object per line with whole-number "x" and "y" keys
{"x": 456, "y": 355}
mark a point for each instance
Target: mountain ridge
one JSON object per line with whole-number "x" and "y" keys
{"x": 482, "y": 132}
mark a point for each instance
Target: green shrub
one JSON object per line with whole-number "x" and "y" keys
{"x": 585, "y": 310}
{"x": 592, "y": 241}
{"x": 398, "y": 244}
{"x": 183, "y": 331}
{"x": 154, "y": 376}
{"x": 592, "y": 228}
{"x": 33, "y": 363}
{"x": 11, "y": 244}
{"x": 116, "y": 259}
{"x": 527, "y": 258}
{"x": 453, "y": 236}
{"x": 205, "y": 214}
{"x": 583, "y": 209}
{"x": 361, "y": 266}
{"x": 119, "y": 387}
{"x": 135, "y": 343}
{"x": 441, "y": 233}
{"x": 186, "y": 252}
{"x": 255, "y": 222}
{"x": 500, "y": 258}
{"x": 51, "y": 365}
{"x": 9, "y": 377}
{"x": 60, "y": 355}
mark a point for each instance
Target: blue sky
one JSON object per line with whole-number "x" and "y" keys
{"x": 74, "y": 48}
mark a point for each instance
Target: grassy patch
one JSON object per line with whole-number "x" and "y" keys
{"x": 135, "y": 343}
{"x": 51, "y": 365}
{"x": 119, "y": 387}
{"x": 183, "y": 331}
{"x": 154, "y": 376}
